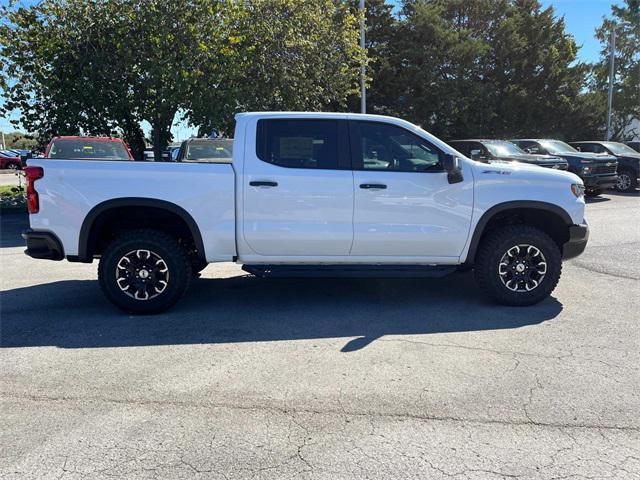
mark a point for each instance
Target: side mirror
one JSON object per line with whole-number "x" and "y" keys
{"x": 452, "y": 166}
{"x": 475, "y": 154}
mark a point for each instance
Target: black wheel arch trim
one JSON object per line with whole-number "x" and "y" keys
{"x": 512, "y": 205}
{"x": 95, "y": 212}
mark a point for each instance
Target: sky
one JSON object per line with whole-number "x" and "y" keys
{"x": 582, "y": 17}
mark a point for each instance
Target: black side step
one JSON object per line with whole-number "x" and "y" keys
{"x": 349, "y": 271}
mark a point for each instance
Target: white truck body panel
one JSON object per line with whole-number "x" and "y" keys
{"x": 313, "y": 216}
{"x": 71, "y": 188}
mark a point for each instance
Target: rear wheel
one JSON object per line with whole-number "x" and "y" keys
{"x": 627, "y": 181}
{"x": 13, "y": 166}
{"x": 518, "y": 265}
{"x": 144, "y": 271}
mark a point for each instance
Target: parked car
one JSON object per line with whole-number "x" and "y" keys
{"x": 598, "y": 172}
{"x": 210, "y": 150}
{"x": 149, "y": 155}
{"x": 10, "y": 161}
{"x": 88, "y": 148}
{"x": 628, "y": 161}
{"x": 493, "y": 151}
{"x": 634, "y": 145}
{"x": 310, "y": 194}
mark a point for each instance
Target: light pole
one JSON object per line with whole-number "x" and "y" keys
{"x": 612, "y": 61}
{"x": 363, "y": 88}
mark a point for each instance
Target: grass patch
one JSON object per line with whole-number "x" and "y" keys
{"x": 12, "y": 198}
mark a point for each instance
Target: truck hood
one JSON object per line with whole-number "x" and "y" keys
{"x": 595, "y": 157}
{"x": 531, "y": 158}
{"x": 529, "y": 171}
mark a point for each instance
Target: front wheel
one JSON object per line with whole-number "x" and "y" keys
{"x": 627, "y": 181}
{"x": 144, "y": 271}
{"x": 518, "y": 265}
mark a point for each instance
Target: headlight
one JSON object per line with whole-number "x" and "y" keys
{"x": 577, "y": 190}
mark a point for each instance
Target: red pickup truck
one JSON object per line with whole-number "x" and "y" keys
{"x": 88, "y": 148}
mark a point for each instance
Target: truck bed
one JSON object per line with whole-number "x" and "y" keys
{"x": 70, "y": 189}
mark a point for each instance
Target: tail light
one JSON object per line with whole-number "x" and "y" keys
{"x": 33, "y": 174}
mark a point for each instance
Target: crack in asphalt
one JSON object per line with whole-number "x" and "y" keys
{"x": 289, "y": 411}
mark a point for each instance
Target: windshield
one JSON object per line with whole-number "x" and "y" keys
{"x": 211, "y": 150}
{"x": 620, "y": 148}
{"x": 502, "y": 148}
{"x": 556, "y": 147}
{"x": 88, "y": 149}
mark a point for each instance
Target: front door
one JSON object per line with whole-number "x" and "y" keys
{"x": 298, "y": 189}
{"x": 404, "y": 205}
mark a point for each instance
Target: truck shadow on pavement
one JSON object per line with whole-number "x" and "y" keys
{"x": 74, "y": 314}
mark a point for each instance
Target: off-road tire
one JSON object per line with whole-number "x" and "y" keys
{"x": 491, "y": 251}
{"x": 163, "y": 246}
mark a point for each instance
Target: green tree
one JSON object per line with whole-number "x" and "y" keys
{"x": 280, "y": 55}
{"x": 496, "y": 68}
{"x": 102, "y": 67}
{"x": 626, "y": 97}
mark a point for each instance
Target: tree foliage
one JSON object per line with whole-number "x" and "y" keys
{"x": 496, "y": 68}
{"x": 280, "y": 55}
{"x": 104, "y": 66}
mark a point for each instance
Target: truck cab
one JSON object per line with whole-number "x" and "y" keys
{"x": 310, "y": 194}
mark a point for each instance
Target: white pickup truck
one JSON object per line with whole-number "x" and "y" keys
{"x": 309, "y": 194}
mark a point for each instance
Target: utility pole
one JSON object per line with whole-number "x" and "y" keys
{"x": 612, "y": 61}
{"x": 363, "y": 88}
{"x": 4, "y": 144}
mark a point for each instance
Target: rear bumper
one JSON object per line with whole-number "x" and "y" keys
{"x": 578, "y": 237}
{"x": 605, "y": 181}
{"x": 43, "y": 245}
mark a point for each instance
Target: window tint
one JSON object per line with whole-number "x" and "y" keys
{"x": 462, "y": 147}
{"x": 299, "y": 143}
{"x": 213, "y": 150}
{"x": 379, "y": 146}
{"x": 87, "y": 149}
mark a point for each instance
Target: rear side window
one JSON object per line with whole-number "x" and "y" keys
{"x": 299, "y": 143}
{"x": 88, "y": 149}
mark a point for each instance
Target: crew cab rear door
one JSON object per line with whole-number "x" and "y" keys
{"x": 404, "y": 205}
{"x": 298, "y": 188}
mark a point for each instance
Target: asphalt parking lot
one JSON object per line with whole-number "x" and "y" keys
{"x": 251, "y": 378}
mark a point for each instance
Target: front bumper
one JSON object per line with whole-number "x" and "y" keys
{"x": 43, "y": 245}
{"x": 578, "y": 237}
{"x": 604, "y": 181}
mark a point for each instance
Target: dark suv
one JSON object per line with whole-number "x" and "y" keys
{"x": 598, "y": 172}
{"x": 628, "y": 161}
{"x": 491, "y": 151}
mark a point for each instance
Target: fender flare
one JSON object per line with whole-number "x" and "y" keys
{"x": 512, "y": 205}
{"x": 95, "y": 212}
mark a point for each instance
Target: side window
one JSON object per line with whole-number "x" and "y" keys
{"x": 462, "y": 147}
{"x": 531, "y": 147}
{"x": 380, "y": 146}
{"x": 585, "y": 147}
{"x": 300, "y": 143}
